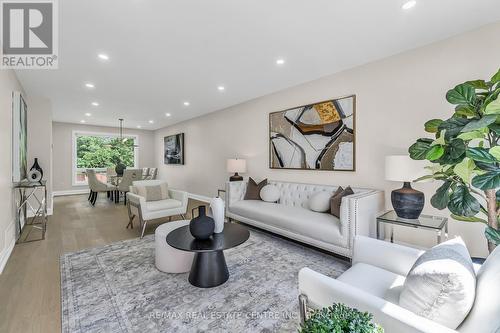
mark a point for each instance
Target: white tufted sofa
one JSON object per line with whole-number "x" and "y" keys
{"x": 292, "y": 218}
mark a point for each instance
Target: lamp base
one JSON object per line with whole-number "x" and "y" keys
{"x": 408, "y": 203}
{"x": 235, "y": 178}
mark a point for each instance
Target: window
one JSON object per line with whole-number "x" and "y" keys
{"x": 101, "y": 151}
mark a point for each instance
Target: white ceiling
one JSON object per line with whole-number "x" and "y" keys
{"x": 163, "y": 53}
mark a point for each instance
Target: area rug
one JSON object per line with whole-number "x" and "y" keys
{"x": 117, "y": 288}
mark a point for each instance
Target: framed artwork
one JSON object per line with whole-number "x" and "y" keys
{"x": 174, "y": 149}
{"x": 319, "y": 136}
{"x": 19, "y": 138}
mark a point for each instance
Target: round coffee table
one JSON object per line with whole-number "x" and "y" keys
{"x": 209, "y": 267}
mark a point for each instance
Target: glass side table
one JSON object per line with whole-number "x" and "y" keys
{"x": 428, "y": 222}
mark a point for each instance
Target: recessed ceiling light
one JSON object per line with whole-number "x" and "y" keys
{"x": 139, "y": 126}
{"x": 409, "y": 4}
{"x": 280, "y": 61}
{"x": 186, "y": 103}
{"x": 151, "y": 121}
{"x": 89, "y": 85}
{"x": 103, "y": 56}
{"x": 88, "y": 114}
{"x": 221, "y": 88}
{"x": 167, "y": 114}
{"x": 95, "y": 104}
{"x": 82, "y": 121}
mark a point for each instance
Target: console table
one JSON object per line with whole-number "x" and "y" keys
{"x": 209, "y": 267}
{"x": 32, "y": 196}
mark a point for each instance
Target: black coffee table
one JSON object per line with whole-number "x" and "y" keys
{"x": 209, "y": 267}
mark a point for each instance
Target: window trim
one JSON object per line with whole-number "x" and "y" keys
{"x": 77, "y": 133}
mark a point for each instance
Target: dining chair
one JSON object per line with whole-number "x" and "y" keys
{"x": 153, "y": 173}
{"x": 145, "y": 173}
{"x": 96, "y": 186}
{"x": 129, "y": 176}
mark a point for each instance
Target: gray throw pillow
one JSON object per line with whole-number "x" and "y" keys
{"x": 336, "y": 200}
{"x": 253, "y": 189}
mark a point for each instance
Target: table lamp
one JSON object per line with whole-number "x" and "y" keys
{"x": 408, "y": 203}
{"x": 236, "y": 165}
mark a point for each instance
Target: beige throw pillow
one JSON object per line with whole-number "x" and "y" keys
{"x": 153, "y": 192}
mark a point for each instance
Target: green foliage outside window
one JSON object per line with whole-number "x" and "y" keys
{"x": 103, "y": 152}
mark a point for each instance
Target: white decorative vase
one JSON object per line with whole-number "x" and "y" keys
{"x": 217, "y": 212}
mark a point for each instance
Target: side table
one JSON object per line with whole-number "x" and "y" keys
{"x": 427, "y": 222}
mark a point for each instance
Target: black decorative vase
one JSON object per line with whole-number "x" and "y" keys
{"x": 120, "y": 168}
{"x": 201, "y": 227}
{"x": 37, "y": 167}
{"x": 408, "y": 203}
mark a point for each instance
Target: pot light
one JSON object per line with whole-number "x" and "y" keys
{"x": 103, "y": 56}
{"x": 186, "y": 103}
{"x": 151, "y": 121}
{"x": 409, "y": 4}
{"x": 88, "y": 114}
{"x": 221, "y": 88}
{"x": 89, "y": 85}
{"x": 280, "y": 62}
{"x": 167, "y": 114}
{"x": 95, "y": 104}
{"x": 82, "y": 121}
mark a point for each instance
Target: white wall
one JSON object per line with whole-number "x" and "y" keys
{"x": 8, "y": 84}
{"x": 62, "y": 134}
{"x": 395, "y": 96}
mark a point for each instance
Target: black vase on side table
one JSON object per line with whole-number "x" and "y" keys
{"x": 37, "y": 167}
{"x": 201, "y": 227}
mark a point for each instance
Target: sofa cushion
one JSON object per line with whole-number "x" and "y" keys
{"x": 270, "y": 193}
{"x": 441, "y": 285}
{"x": 336, "y": 200}
{"x": 320, "y": 202}
{"x": 373, "y": 280}
{"x": 253, "y": 189}
{"x": 320, "y": 226}
{"x": 153, "y": 206}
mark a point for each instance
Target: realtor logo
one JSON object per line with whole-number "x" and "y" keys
{"x": 29, "y": 34}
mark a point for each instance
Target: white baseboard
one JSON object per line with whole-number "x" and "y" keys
{"x": 70, "y": 192}
{"x": 199, "y": 197}
{"x": 5, "y": 254}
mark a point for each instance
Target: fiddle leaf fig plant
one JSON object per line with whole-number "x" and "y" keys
{"x": 465, "y": 155}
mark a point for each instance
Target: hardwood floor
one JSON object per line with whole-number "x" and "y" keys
{"x": 30, "y": 282}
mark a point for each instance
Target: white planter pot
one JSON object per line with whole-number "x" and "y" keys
{"x": 217, "y": 212}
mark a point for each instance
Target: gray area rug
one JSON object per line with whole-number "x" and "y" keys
{"x": 117, "y": 288}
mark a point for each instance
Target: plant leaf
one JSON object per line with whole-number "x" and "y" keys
{"x": 496, "y": 77}
{"x": 462, "y": 94}
{"x": 492, "y": 235}
{"x": 453, "y": 126}
{"x": 478, "y": 84}
{"x": 456, "y": 148}
{"x": 487, "y": 181}
{"x": 465, "y": 111}
{"x": 419, "y": 149}
{"x": 441, "y": 198}
{"x": 479, "y": 124}
{"x": 434, "y": 153}
{"x": 480, "y": 155}
{"x": 468, "y": 218}
{"x": 462, "y": 203}
{"x": 493, "y": 107}
{"x": 464, "y": 169}
{"x": 495, "y": 152}
{"x": 471, "y": 135}
{"x": 432, "y": 125}
{"x": 495, "y": 128}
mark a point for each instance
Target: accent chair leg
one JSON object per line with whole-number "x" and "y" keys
{"x": 302, "y": 308}
{"x": 143, "y": 228}
{"x": 130, "y": 217}
{"x": 183, "y": 216}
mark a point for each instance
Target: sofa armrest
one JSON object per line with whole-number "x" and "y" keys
{"x": 322, "y": 291}
{"x": 235, "y": 191}
{"x": 135, "y": 199}
{"x": 181, "y": 196}
{"x": 395, "y": 258}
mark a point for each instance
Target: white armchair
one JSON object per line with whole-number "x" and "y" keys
{"x": 374, "y": 281}
{"x": 146, "y": 211}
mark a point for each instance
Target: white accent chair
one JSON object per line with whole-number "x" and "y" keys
{"x": 374, "y": 283}
{"x": 150, "y": 210}
{"x": 167, "y": 258}
{"x": 292, "y": 218}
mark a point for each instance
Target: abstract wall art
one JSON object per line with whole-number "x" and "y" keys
{"x": 174, "y": 149}
{"x": 319, "y": 136}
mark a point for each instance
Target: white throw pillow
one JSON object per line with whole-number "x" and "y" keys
{"x": 441, "y": 285}
{"x": 270, "y": 193}
{"x": 153, "y": 192}
{"x": 320, "y": 202}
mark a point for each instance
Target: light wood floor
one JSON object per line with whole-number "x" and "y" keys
{"x": 30, "y": 283}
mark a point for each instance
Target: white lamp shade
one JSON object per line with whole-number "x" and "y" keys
{"x": 401, "y": 168}
{"x": 236, "y": 165}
